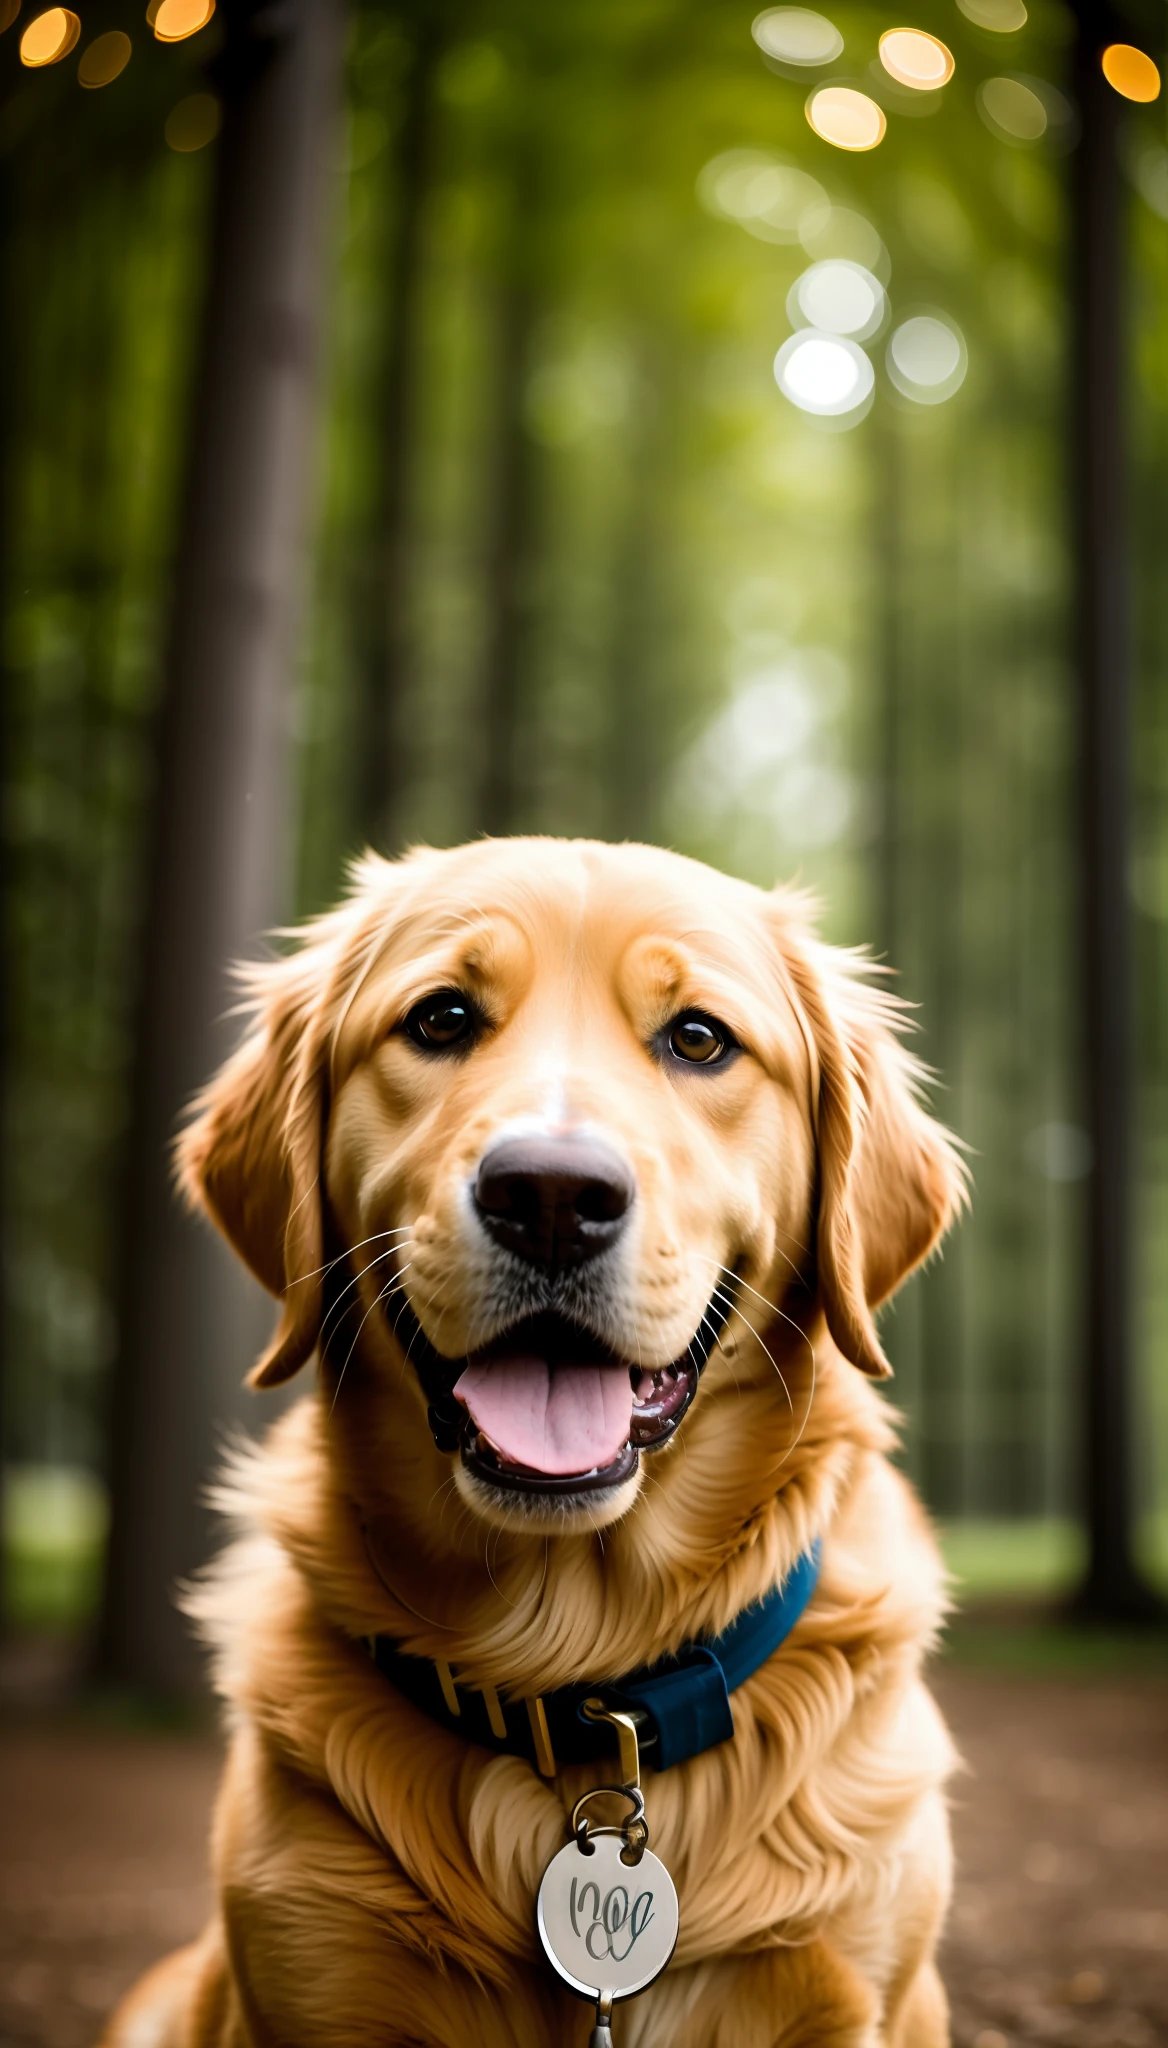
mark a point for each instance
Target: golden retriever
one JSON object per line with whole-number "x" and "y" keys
{"x": 534, "y": 1118}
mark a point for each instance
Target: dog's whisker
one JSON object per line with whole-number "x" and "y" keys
{"x": 716, "y": 1344}
{"x": 428, "y": 1302}
{"x": 335, "y": 1311}
{"x": 792, "y": 1447}
{"x": 375, "y": 1303}
{"x": 798, "y": 1437}
{"x": 761, "y": 1341}
{"x": 402, "y": 1230}
{"x": 739, "y": 1281}
{"x": 383, "y": 1582}
{"x": 721, "y": 1294}
{"x": 405, "y": 1357}
{"x": 447, "y": 1487}
{"x": 732, "y": 1304}
{"x": 403, "y": 1290}
{"x": 393, "y": 1251}
{"x": 777, "y": 1369}
{"x": 490, "y": 1574}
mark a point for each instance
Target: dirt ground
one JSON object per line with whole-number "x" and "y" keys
{"x": 1059, "y": 1933}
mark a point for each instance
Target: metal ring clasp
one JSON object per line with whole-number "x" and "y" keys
{"x": 633, "y": 1830}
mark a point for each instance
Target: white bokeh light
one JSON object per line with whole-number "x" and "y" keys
{"x": 766, "y": 768}
{"x": 824, "y": 374}
{"x": 1023, "y": 111}
{"x": 926, "y": 358}
{"x": 794, "y": 35}
{"x": 839, "y": 298}
{"x": 1059, "y": 1151}
{"x": 845, "y": 117}
{"x": 916, "y": 60}
{"x": 1003, "y": 17}
{"x": 768, "y": 197}
{"x": 851, "y": 235}
{"x": 1012, "y": 109}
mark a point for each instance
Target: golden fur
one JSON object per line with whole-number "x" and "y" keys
{"x": 376, "y": 1874}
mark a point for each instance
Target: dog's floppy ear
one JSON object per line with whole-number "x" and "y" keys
{"x": 251, "y": 1158}
{"x": 890, "y": 1179}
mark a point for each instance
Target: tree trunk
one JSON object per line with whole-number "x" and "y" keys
{"x": 888, "y": 554}
{"x": 641, "y": 735}
{"x": 382, "y": 600}
{"x": 512, "y": 511}
{"x": 189, "y": 1319}
{"x": 9, "y": 373}
{"x": 1113, "y": 1589}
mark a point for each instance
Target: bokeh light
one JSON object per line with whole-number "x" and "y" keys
{"x": 1011, "y": 109}
{"x": 1146, "y": 163}
{"x": 9, "y": 9}
{"x": 105, "y": 59}
{"x": 794, "y": 35}
{"x": 926, "y": 358}
{"x": 851, "y": 235}
{"x": 175, "y": 20}
{"x": 49, "y": 37}
{"x": 846, "y": 118}
{"x": 471, "y": 74}
{"x": 825, "y": 374}
{"x": 915, "y": 59}
{"x": 1131, "y": 72}
{"x": 193, "y": 123}
{"x": 1002, "y": 16}
{"x": 838, "y": 298}
{"x": 766, "y": 755}
{"x": 769, "y": 198}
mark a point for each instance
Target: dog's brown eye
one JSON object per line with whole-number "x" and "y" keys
{"x": 439, "y": 1023}
{"x": 698, "y": 1040}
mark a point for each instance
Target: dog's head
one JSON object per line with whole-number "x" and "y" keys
{"x": 522, "y": 1125}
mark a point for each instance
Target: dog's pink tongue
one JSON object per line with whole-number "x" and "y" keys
{"x": 558, "y": 1422}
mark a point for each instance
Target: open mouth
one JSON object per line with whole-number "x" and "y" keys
{"x": 547, "y": 1403}
{"x": 547, "y": 1407}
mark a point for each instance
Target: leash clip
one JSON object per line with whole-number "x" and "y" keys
{"x": 627, "y": 1738}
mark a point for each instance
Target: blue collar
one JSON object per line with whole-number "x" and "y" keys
{"x": 681, "y": 1704}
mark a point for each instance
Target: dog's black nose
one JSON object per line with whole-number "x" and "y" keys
{"x": 555, "y": 1201}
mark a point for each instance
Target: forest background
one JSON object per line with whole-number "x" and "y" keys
{"x": 578, "y": 565}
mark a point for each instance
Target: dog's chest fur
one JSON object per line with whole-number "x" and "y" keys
{"x": 350, "y": 1825}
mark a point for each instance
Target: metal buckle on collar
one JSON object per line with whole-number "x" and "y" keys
{"x": 628, "y": 1722}
{"x": 634, "y": 1730}
{"x": 448, "y": 1683}
{"x": 545, "y": 1756}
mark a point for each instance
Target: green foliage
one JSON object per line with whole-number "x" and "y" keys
{"x": 54, "y": 1530}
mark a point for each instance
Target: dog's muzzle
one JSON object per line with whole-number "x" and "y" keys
{"x": 548, "y": 1408}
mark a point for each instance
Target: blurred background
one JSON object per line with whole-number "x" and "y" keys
{"x": 634, "y": 419}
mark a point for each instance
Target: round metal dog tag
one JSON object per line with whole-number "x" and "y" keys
{"x": 607, "y": 1926}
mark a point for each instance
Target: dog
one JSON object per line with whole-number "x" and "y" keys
{"x": 581, "y": 1169}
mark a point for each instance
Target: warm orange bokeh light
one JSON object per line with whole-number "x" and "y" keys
{"x": 104, "y": 60}
{"x": 175, "y": 20}
{"x": 914, "y": 58}
{"x": 9, "y": 9}
{"x": 49, "y": 38}
{"x": 1130, "y": 72}
{"x": 846, "y": 118}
